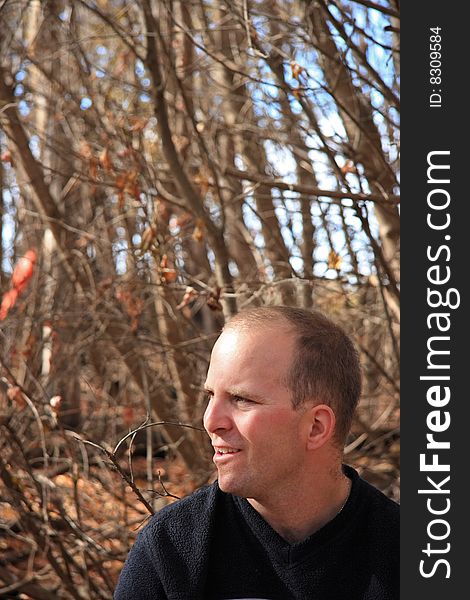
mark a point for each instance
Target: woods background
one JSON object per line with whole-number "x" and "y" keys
{"x": 168, "y": 163}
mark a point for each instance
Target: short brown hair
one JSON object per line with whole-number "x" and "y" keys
{"x": 325, "y": 366}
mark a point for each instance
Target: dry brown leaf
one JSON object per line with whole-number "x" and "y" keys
{"x": 334, "y": 260}
{"x": 198, "y": 232}
{"x": 348, "y": 167}
{"x": 296, "y": 70}
{"x": 138, "y": 123}
{"x": 105, "y": 160}
{"x": 168, "y": 274}
{"x": 202, "y": 181}
{"x": 181, "y": 142}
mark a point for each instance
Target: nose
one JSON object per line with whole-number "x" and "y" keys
{"x": 217, "y": 415}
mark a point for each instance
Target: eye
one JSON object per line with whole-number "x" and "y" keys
{"x": 241, "y": 400}
{"x": 207, "y": 396}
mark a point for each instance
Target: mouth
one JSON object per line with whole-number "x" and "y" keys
{"x": 224, "y": 453}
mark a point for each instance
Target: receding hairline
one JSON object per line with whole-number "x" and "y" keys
{"x": 250, "y": 322}
{"x": 254, "y": 325}
{"x": 293, "y": 319}
{"x": 264, "y": 317}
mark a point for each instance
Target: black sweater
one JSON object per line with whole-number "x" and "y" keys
{"x": 215, "y": 546}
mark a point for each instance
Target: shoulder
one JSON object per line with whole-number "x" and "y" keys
{"x": 201, "y": 500}
{"x": 380, "y": 512}
{"x": 190, "y": 514}
{"x": 379, "y": 522}
{"x": 173, "y": 543}
{"x": 380, "y": 503}
{"x": 366, "y": 491}
{"x": 180, "y": 531}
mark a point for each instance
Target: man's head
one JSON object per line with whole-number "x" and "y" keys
{"x": 325, "y": 364}
{"x": 281, "y": 382}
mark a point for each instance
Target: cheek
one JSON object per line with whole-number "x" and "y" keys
{"x": 272, "y": 431}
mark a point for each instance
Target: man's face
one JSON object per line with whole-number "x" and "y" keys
{"x": 258, "y": 437}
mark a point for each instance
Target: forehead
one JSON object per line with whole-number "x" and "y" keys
{"x": 240, "y": 353}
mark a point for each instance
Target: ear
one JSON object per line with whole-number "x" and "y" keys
{"x": 322, "y": 426}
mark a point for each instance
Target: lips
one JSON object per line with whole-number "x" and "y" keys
{"x": 224, "y": 453}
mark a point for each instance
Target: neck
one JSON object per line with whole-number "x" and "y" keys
{"x": 297, "y": 514}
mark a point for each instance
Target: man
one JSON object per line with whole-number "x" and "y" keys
{"x": 285, "y": 520}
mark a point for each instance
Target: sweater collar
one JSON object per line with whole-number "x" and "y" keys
{"x": 287, "y": 553}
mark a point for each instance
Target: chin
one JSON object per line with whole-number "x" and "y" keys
{"x": 230, "y": 486}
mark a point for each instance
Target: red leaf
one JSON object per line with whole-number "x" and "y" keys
{"x": 8, "y": 302}
{"x": 23, "y": 270}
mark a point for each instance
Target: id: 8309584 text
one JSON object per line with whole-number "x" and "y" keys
{"x": 435, "y": 67}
